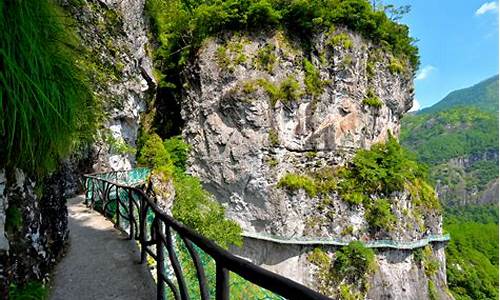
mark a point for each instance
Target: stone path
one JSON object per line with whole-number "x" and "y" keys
{"x": 100, "y": 262}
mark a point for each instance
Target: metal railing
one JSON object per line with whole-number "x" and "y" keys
{"x": 145, "y": 222}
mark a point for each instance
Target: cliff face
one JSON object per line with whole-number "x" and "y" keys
{"x": 258, "y": 107}
{"x": 114, "y": 38}
{"x": 456, "y": 186}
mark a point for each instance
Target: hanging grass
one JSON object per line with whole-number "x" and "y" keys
{"x": 46, "y": 105}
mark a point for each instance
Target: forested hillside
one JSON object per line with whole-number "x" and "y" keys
{"x": 458, "y": 137}
{"x": 483, "y": 96}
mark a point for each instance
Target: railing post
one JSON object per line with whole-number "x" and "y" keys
{"x": 117, "y": 210}
{"x": 221, "y": 283}
{"x": 160, "y": 283}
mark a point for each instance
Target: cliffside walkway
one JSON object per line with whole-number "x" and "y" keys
{"x": 100, "y": 262}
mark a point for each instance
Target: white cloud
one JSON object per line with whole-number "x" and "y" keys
{"x": 486, "y": 7}
{"x": 425, "y": 72}
{"x": 416, "y": 106}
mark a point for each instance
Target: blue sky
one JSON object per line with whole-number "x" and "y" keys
{"x": 458, "y": 42}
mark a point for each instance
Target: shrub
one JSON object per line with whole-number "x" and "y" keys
{"x": 379, "y": 215}
{"x": 178, "y": 151}
{"x": 266, "y": 59}
{"x": 295, "y": 182}
{"x": 273, "y": 137}
{"x": 395, "y": 66}
{"x": 341, "y": 39}
{"x": 372, "y": 100}
{"x": 47, "y": 108}
{"x": 286, "y": 92}
{"x": 313, "y": 82}
{"x": 196, "y": 208}
{"x": 153, "y": 153}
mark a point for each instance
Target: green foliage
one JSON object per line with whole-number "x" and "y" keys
{"x": 47, "y": 107}
{"x": 196, "y": 208}
{"x": 472, "y": 253}
{"x": 31, "y": 291}
{"x": 286, "y": 92}
{"x": 395, "y": 66}
{"x": 153, "y": 153}
{"x": 379, "y": 215}
{"x": 382, "y": 170}
{"x": 433, "y": 293}
{"x": 295, "y": 182}
{"x": 193, "y": 205}
{"x": 353, "y": 262}
{"x": 452, "y": 133}
{"x": 13, "y": 219}
{"x": 266, "y": 58}
{"x": 346, "y": 293}
{"x": 431, "y": 264}
{"x": 318, "y": 257}
{"x": 372, "y": 100}
{"x": 222, "y": 58}
{"x": 178, "y": 151}
{"x": 341, "y": 39}
{"x": 119, "y": 145}
{"x": 182, "y": 25}
{"x": 314, "y": 84}
{"x": 274, "y": 139}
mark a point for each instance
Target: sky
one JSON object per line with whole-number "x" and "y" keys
{"x": 458, "y": 43}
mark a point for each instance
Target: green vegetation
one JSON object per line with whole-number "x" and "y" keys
{"x": 193, "y": 206}
{"x": 274, "y": 139}
{"x": 31, "y": 291}
{"x": 433, "y": 293}
{"x": 372, "y": 100}
{"x": 341, "y": 39}
{"x": 42, "y": 87}
{"x": 395, "y": 66}
{"x": 472, "y": 253}
{"x": 462, "y": 127}
{"x": 346, "y": 276}
{"x": 379, "y": 215}
{"x": 380, "y": 171}
{"x": 314, "y": 84}
{"x": 288, "y": 90}
{"x": 295, "y": 182}
{"x": 452, "y": 133}
{"x": 13, "y": 218}
{"x": 266, "y": 58}
{"x": 182, "y": 25}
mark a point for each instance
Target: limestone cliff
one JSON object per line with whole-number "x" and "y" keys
{"x": 260, "y": 106}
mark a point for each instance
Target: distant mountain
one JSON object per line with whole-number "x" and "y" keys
{"x": 483, "y": 96}
{"x": 458, "y": 138}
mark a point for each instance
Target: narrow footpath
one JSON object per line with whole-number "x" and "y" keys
{"x": 100, "y": 263}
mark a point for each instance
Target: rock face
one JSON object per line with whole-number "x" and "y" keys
{"x": 114, "y": 34}
{"x": 252, "y": 115}
{"x": 456, "y": 192}
{"x": 35, "y": 226}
